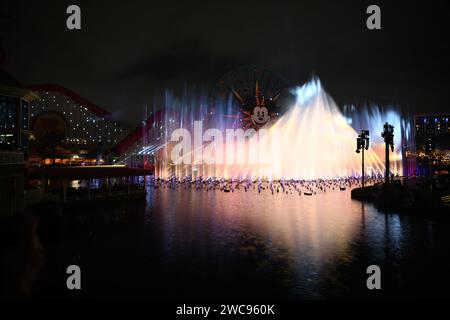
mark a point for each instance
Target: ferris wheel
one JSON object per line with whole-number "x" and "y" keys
{"x": 257, "y": 93}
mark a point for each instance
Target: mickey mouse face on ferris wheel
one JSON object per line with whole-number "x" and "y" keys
{"x": 260, "y": 116}
{"x": 255, "y": 91}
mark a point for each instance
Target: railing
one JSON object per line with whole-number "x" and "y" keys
{"x": 7, "y": 157}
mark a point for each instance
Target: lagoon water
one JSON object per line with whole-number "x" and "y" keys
{"x": 198, "y": 244}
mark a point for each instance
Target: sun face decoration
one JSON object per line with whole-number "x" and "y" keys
{"x": 260, "y": 114}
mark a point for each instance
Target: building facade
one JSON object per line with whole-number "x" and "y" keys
{"x": 14, "y": 137}
{"x": 68, "y": 129}
{"x": 432, "y": 136}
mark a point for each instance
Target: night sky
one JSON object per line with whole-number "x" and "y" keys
{"x": 128, "y": 52}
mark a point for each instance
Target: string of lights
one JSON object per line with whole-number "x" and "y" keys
{"x": 84, "y": 126}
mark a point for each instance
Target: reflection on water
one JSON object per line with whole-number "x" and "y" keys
{"x": 323, "y": 243}
{"x": 188, "y": 243}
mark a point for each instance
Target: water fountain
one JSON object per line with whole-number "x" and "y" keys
{"x": 313, "y": 139}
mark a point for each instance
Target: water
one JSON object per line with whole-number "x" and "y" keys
{"x": 198, "y": 244}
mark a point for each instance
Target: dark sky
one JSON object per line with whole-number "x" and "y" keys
{"x": 129, "y": 51}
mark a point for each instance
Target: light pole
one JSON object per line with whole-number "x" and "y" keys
{"x": 362, "y": 142}
{"x": 388, "y": 135}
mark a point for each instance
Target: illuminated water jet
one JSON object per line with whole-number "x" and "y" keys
{"x": 313, "y": 139}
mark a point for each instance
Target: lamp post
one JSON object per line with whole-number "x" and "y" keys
{"x": 362, "y": 142}
{"x": 388, "y": 135}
